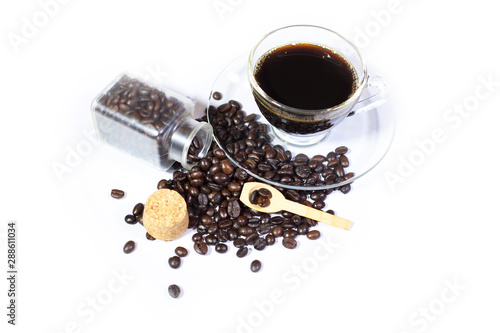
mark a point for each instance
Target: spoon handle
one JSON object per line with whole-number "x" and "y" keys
{"x": 317, "y": 215}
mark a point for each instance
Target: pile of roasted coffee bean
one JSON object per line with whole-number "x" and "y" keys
{"x": 212, "y": 188}
{"x": 248, "y": 142}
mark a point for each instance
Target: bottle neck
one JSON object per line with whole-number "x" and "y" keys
{"x": 183, "y": 137}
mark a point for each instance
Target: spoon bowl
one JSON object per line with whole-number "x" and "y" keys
{"x": 278, "y": 202}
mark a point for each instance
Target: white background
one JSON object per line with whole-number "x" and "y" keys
{"x": 423, "y": 256}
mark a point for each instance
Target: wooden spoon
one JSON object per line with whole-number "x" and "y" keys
{"x": 279, "y": 203}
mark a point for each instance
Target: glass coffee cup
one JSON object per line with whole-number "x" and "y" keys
{"x": 306, "y": 79}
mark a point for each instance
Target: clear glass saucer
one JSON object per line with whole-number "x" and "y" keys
{"x": 368, "y": 135}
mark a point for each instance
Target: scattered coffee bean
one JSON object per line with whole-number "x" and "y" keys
{"x": 174, "y": 290}
{"x": 130, "y": 219}
{"x": 221, "y": 248}
{"x": 260, "y": 244}
{"x": 129, "y": 247}
{"x": 243, "y": 251}
{"x": 270, "y": 239}
{"x": 149, "y": 237}
{"x": 174, "y": 262}
{"x": 255, "y": 266}
{"x": 181, "y": 251}
{"x": 117, "y": 194}
{"x": 345, "y": 188}
{"x": 313, "y": 234}
{"x": 341, "y": 150}
{"x": 217, "y": 95}
{"x": 200, "y": 247}
{"x": 138, "y": 209}
{"x": 289, "y": 243}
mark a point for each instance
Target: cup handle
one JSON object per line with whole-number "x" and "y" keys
{"x": 371, "y": 101}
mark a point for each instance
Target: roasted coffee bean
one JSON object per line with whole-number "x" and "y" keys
{"x": 276, "y": 220}
{"x": 319, "y": 158}
{"x": 264, "y": 192}
{"x": 344, "y": 161}
{"x": 255, "y": 266}
{"x": 149, "y": 237}
{"x": 254, "y": 196}
{"x": 138, "y": 209}
{"x": 345, "y": 188}
{"x": 245, "y": 230}
{"x": 303, "y": 229}
{"x": 232, "y": 233}
{"x": 331, "y": 156}
{"x": 290, "y": 233}
{"x": 318, "y": 204}
{"x": 219, "y": 153}
{"x": 222, "y": 236}
{"x": 240, "y": 174}
{"x": 289, "y": 243}
{"x": 263, "y": 202}
{"x": 130, "y": 219}
{"x": 251, "y": 239}
{"x": 332, "y": 164}
{"x": 300, "y": 159}
{"x": 270, "y": 239}
{"x": 253, "y": 222}
{"x": 181, "y": 251}
{"x": 341, "y": 150}
{"x": 233, "y": 208}
{"x": 339, "y": 171}
{"x": 265, "y": 218}
{"x": 239, "y": 242}
{"x": 211, "y": 240}
{"x": 264, "y": 228}
{"x": 234, "y": 187}
{"x": 162, "y": 184}
{"x": 260, "y": 244}
{"x": 313, "y": 234}
{"x": 129, "y": 247}
{"x": 277, "y": 231}
{"x": 196, "y": 143}
{"x": 197, "y": 237}
{"x": 174, "y": 291}
{"x": 242, "y": 252}
{"x": 200, "y": 247}
{"x": 213, "y": 228}
{"x": 224, "y": 224}
{"x": 303, "y": 171}
{"x": 221, "y": 248}
{"x": 226, "y": 167}
{"x": 292, "y": 195}
{"x": 117, "y": 194}
{"x": 221, "y": 178}
{"x": 174, "y": 262}
{"x": 217, "y": 95}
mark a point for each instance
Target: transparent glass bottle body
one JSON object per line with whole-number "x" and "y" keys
{"x": 149, "y": 122}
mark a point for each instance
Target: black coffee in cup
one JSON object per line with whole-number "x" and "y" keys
{"x": 304, "y": 76}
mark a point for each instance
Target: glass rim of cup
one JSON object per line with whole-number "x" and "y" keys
{"x": 255, "y": 85}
